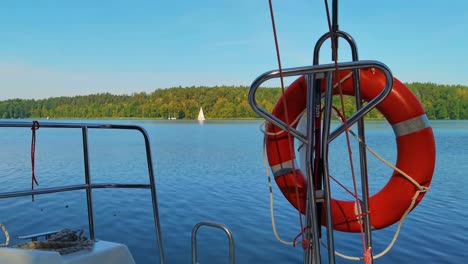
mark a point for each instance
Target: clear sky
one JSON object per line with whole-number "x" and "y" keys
{"x": 63, "y": 48}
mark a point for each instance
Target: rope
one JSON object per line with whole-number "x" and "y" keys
{"x": 420, "y": 189}
{"x": 395, "y": 236}
{"x": 285, "y": 105}
{"x": 64, "y": 242}
{"x": 7, "y": 236}
{"x": 35, "y": 126}
{"x": 405, "y": 175}
{"x": 366, "y": 249}
{"x": 263, "y": 130}
{"x": 367, "y": 254}
{"x": 294, "y": 122}
{"x": 272, "y": 211}
{"x": 347, "y": 76}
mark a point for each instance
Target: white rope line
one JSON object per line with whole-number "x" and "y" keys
{"x": 406, "y": 176}
{"x": 395, "y": 236}
{"x": 267, "y": 167}
{"x": 343, "y": 80}
{"x": 421, "y": 189}
{"x": 7, "y": 236}
{"x": 272, "y": 211}
{"x": 265, "y": 123}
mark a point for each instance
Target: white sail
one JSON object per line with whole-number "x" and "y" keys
{"x": 201, "y": 116}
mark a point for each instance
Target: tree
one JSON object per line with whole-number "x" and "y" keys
{"x": 439, "y": 101}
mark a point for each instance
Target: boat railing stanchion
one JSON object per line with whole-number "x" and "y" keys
{"x": 88, "y": 186}
{"x": 215, "y": 225}
{"x": 318, "y": 132}
{"x": 89, "y": 197}
{"x": 313, "y": 75}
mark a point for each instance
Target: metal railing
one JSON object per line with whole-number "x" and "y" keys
{"x": 210, "y": 224}
{"x": 88, "y": 186}
{"x": 314, "y": 95}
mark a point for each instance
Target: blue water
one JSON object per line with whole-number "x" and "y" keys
{"x": 215, "y": 172}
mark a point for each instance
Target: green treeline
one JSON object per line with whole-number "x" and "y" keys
{"x": 439, "y": 101}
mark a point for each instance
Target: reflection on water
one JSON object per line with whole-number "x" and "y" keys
{"x": 214, "y": 172}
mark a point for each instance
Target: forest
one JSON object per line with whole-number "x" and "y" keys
{"x": 219, "y": 102}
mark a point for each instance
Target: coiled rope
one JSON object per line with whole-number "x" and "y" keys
{"x": 64, "y": 242}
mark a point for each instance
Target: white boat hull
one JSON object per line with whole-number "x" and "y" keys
{"x": 103, "y": 252}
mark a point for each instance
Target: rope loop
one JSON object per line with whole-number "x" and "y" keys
{"x": 419, "y": 189}
{"x": 272, "y": 210}
{"x": 7, "y": 236}
{"x": 35, "y": 126}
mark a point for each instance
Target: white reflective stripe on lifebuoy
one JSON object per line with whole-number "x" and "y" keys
{"x": 411, "y": 125}
{"x": 284, "y": 168}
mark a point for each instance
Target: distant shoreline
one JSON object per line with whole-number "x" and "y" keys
{"x": 440, "y": 102}
{"x": 183, "y": 119}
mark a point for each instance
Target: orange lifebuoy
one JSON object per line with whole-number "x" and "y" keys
{"x": 415, "y": 152}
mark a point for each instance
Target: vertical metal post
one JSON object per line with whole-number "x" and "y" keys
{"x": 335, "y": 29}
{"x": 335, "y": 16}
{"x": 324, "y": 154}
{"x": 360, "y": 122}
{"x": 313, "y": 74}
{"x": 363, "y": 164}
{"x": 312, "y": 254}
{"x": 89, "y": 198}
{"x": 157, "y": 224}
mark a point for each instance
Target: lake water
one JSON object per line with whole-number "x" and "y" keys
{"x": 215, "y": 172}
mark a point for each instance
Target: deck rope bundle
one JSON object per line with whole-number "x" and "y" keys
{"x": 7, "y": 236}
{"x": 64, "y": 242}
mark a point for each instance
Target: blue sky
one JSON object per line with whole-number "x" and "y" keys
{"x": 64, "y": 48}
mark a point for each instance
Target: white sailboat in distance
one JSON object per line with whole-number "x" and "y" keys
{"x": 201, "y": 116}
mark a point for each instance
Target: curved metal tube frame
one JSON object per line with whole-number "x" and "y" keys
{"x": 88, "y": 186}
{"x": 318, "y": 72}
{"x": 360, "y": 124}
{"x": 225, "y": 229}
